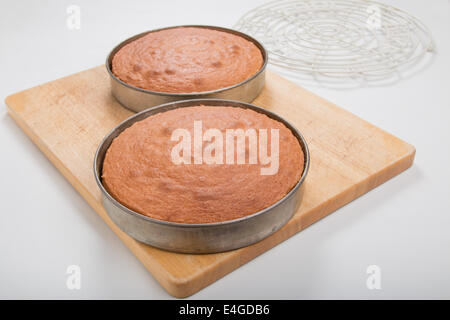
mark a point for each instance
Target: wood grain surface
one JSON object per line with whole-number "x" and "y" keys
{"x": 67, "y": 119}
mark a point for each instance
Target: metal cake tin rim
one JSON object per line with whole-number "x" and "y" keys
{"x": 272, "y": 115}
{"x": 187, "y": 94}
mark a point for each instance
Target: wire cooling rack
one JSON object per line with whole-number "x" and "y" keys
{"x": 340, "y": 39}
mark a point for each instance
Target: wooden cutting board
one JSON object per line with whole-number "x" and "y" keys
{"x": 67, "y": 119}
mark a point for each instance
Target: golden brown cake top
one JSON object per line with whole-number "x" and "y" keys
{"x": 187, "y": 59}
{"x": 139, "y": 169}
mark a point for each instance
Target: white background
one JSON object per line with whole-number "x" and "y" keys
{"x": 45, "y": 225}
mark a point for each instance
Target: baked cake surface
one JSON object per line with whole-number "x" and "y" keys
{"x": 139, "y": 171}
{"x": 186, "y": 60}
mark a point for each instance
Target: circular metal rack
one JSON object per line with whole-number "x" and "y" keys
{"x": 353, "y": 39}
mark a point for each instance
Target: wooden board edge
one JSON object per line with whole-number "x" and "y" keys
{"x": 18, "y": 93}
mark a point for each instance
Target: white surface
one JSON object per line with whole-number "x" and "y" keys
{"x": 45, "y": 225}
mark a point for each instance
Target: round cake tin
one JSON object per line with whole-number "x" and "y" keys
{"x": 207, "y": 237}
{"x": 138, "y": 99}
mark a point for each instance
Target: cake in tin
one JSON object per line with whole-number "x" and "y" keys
{"x": 187, "y": 60}
{"x": 139, "y": 170}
